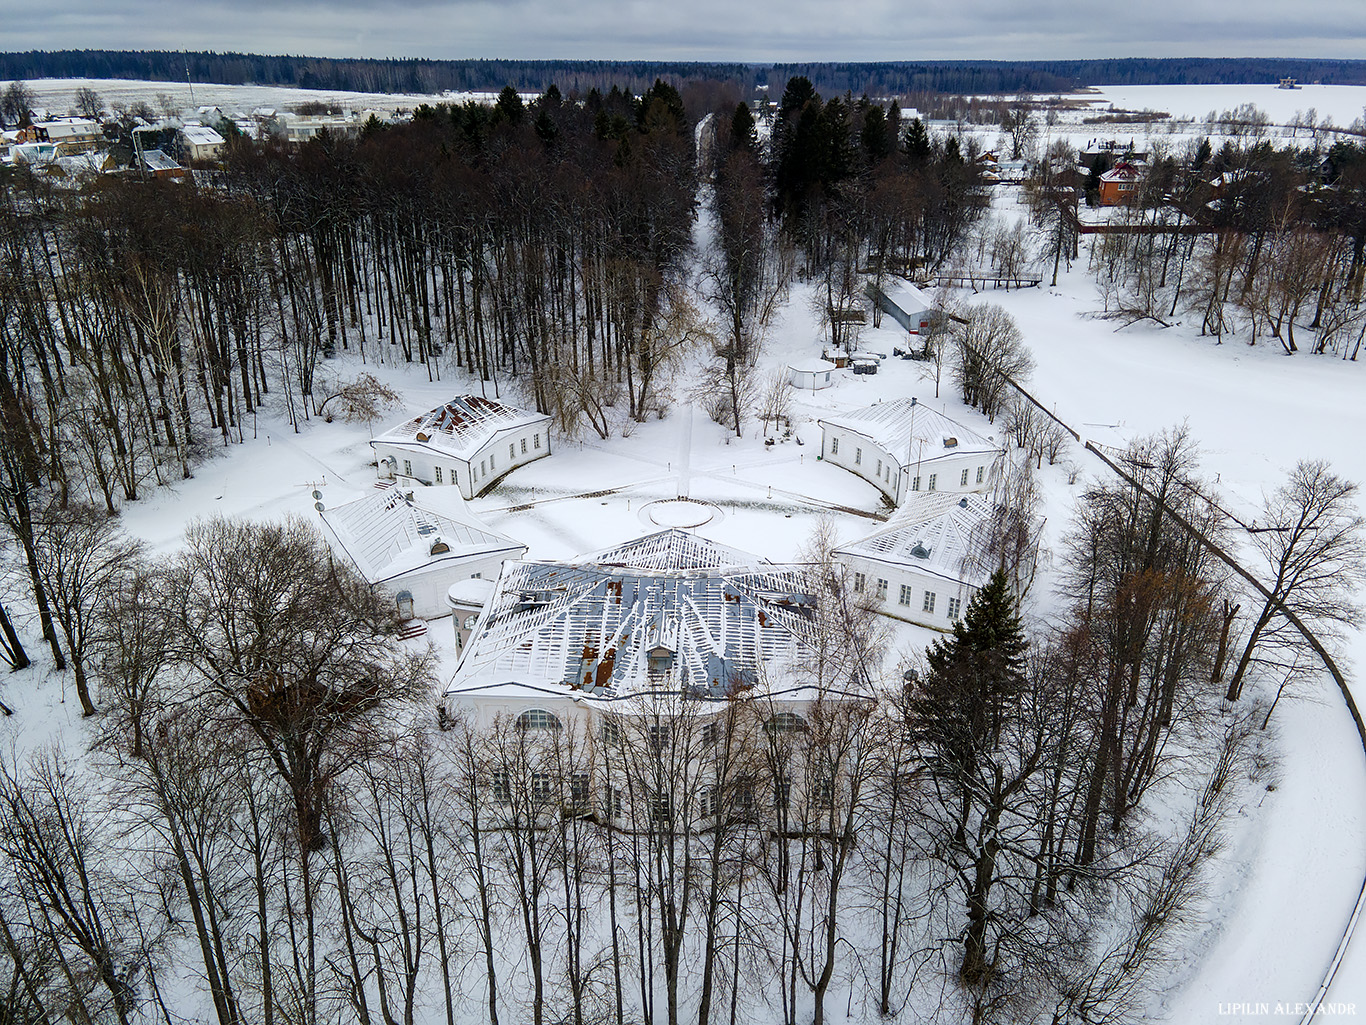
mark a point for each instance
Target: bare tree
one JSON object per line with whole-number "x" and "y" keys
{"x": 88, "y": 103}
{"x": 83, "y": 560}
{"x": 1310, "y": 534}
{"x": 990, "y": 355}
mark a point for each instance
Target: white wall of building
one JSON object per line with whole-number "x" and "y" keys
{"x": 967, "y": 472}
{"x": 429, "y": 585}
{"x": 503, "y": 453}
{"x": 900, "y": 592}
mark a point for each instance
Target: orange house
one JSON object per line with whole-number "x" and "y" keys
{"x": 1119, "y": 184}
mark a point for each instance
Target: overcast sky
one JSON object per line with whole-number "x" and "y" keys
{"x": 749, "y": 30}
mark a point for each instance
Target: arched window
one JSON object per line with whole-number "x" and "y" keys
{"x": 785, "y": 722}
{"x": 537, "y": 719}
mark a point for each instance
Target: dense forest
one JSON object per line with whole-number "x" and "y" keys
{"x": 884, "y": 79}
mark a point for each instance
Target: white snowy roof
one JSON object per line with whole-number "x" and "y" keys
{"x": 156, "y": 160}
{"x": 474, "y": 591}
{"x": 460, "y": 427}
{"x": 937, "y": 532}
{"x": 69, "y": 128}
{"x": 714, "y": 619}
{"x": 811, "y": 366}
{"x": 911, "y": 431}
{"x": 908, "y": 298}
{"x": 393, "y": 532}
{"x": 201, "y": 135}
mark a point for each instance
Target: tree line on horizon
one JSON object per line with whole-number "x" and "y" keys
{"x": 577, "y": 77}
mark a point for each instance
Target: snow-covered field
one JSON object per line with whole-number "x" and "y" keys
{"x": 1297, "y": 852}
{"x": 1343, "y": 103}
{"x": 58, "y": 95}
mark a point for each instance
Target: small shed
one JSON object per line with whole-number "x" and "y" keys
{"x": 811, "y": 375}
{"x": 907, "y": 305}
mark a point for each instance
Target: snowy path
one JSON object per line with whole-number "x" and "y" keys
{"x": 685, "y": 451}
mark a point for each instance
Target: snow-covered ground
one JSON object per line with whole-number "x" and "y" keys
{"x": 58, "y": 95}
{"x": 1296, "y": 849}
{"x": 1343, "y": 103}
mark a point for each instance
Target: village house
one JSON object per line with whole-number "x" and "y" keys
{"x": 471, "y": 442}
{"x": 68, "y": 135}
{"x": 157, "y": 164}
{"x": 199, "y": 142}
{"x": 927, "y": 562}
{"x": 299, "y": 129}
{"x": 1119, "y": 184}
{"x": 904, "y": 446}
{"x": 416, "y": 544}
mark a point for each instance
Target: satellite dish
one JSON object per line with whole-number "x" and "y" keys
{"x": 317, "y": 495}
{"x": 318, "y": 506}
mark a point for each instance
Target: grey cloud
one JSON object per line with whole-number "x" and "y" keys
{"x": 702, "y": 29}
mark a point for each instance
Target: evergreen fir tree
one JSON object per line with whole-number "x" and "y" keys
{"x": 742, "y": 135}
{"x": 973, "y": 677}
{"x": 918, "y": 148}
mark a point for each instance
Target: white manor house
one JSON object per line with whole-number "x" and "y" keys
{"x": 903, "y": 446}
{"x": 470, "y": 442}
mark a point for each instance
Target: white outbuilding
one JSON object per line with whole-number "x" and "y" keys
{"x": 470, "y": 442}
{"x": 811, "y": 375}
{"x": 903, "y": 446}
{"x": 909, "y": 306}
{"x": 416, "y": 544}
{"x": 931, "y": 557}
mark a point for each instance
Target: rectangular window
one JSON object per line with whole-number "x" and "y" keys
{"x": 407, "y": 467}
{"x": 711, "y": 734}
{"x": 614, "y": 802}
{"x": 879, "y": 468}
{"x": 905, "y": 598}
{"x": 438, "y": 475}
{"x": 964, "y": 481}
{"x": 915, "y": 483}
{"x": 932, "y": 477}
{"x": 512, "y": 454}
{"x": 524, "y": 446}
{"x": 659, "y": 736}
{"x": 661, "y": 809}
{"x": 858, "y": 457}
{"x": 611, "y": 733}
{"x": 955, "y": 606}
{"x": 542, "y": 787}
{"x": 491, "y": 464}
{"x": 709, "y": 804}
{"x": 881, "y": 590}
{"x": 980, "y": 469}
{"x": 744, "y": 801}
{"x": 928, "y": 604}
{"x": 782, "y": 792}
{"x": 834, "y": 446}
{"x": 538, "y": 441}
{"x": 825, "y": 792}
{"x": 500, "y": 787}
{"x": 578, "y": 791}
{"x": 483, "y": 469}
{"x": 860, "y": 582}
